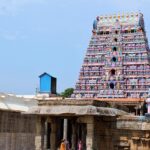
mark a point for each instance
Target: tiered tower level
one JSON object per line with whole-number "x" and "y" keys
{"x": 117, "y": 62}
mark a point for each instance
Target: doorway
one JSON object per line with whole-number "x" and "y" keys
{"x": 81, "y": 134}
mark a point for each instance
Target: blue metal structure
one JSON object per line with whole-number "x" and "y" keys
{"x": 47, "y": 83}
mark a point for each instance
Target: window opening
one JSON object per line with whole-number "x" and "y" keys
{"x": 116, "y": 32}
{"x": 114, "y": 48}
{"x": 114, "y": 59}
{"x": 115, "y": 39}
{"x": 126, "y": 31}
{"x": 112, "y": 85}
{"x": 132, "y": 31}
{"x": 113, "y": 72}
{"x": 107, "y": 32}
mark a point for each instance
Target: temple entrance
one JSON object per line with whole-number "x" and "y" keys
{"x": 59, "y": 133}
{"x": 81, "y": 134}
{"x": 72, "y": 132}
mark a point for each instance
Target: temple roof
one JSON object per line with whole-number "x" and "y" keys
{"x": 123, "y": 18}
{"x": 10, "y": 102}
{"x": 66, "y": 110}
{"x": 70, "y": 107}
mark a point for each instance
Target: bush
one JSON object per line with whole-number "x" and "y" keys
{"x": 67, "y": 93}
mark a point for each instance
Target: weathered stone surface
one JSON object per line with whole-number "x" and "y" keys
{"x": 77, "y": 102}
{"x": 133, "y": 123}
{"x": 104, "y": 128}
{"x": 75, "y": 110}
{"x": 17, "y": 132}
{"x": 16, "y": 141}
{"x": 109, "y": 136}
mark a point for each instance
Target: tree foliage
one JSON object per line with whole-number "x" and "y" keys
{"x": 67, "y": 93}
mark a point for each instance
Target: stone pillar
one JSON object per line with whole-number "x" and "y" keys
{"x": 38, "y": 136}
{"x": 53, "y": 135}
{"x": 42, "y": 132}
{"x": 89, "y": 121}
{"x": 147, "y": 146}
{"x": 134, "y": 143}
{"x": 90, "y": 136}
{"x": 136, "y": 111}
{"x": 45, "y": 136}
{"x": 148, "y": 105}
{"x": 73, "y": 140}
{"x": 65, "y": 129}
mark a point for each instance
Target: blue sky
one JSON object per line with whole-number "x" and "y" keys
{"x": 51, "y": 36}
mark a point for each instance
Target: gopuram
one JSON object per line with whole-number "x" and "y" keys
{"x": 117, "y": 62}
{"x": 107, "y": 110}
{"x": 116, "y": 67}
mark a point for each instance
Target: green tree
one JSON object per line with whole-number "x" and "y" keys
{"x": 67, "y": 93}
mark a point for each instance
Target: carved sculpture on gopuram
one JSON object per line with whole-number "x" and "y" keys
{"x": 117, "y": 62}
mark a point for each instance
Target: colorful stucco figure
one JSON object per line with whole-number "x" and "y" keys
{"x": 95, "y": 23}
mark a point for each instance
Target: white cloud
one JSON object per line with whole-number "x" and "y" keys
{"x": 10, "y": 7}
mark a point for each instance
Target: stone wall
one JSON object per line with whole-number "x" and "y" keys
{"x": 113, "y": 134}
{"x": 17, "y": 131}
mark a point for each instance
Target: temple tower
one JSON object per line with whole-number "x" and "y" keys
{"x": 117, "y": 62}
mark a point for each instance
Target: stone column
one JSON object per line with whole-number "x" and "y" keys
{"x": 38, "y": 136}
{"x": 53, "y": 135}
{"x": 141, "y": 111}
{"x": 89, "y": 121}
{"x": 65, "y": 129}
{"x": 90, "y": 136}
{"x": 73, "y": 140}
{"x": 148, "y": 105}
{"x": 45, "y": 136}
{"x": 136, "y": 111}
{"x": 42, "y": 132}
{"x": 134, "y": 143}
